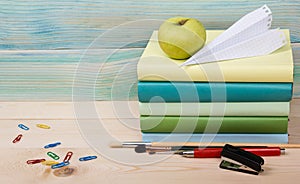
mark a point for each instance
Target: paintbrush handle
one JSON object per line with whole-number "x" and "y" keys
{"x": 165, "y": 144}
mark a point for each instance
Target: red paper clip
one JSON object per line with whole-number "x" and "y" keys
{"x": 35, "y": 161}
{"x": 68, "y": 156}
{"x": 17, "y": 139}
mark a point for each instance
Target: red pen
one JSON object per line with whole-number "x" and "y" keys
{"x": 216, "y": 152}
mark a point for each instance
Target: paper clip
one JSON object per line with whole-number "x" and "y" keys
{"x": 49, "y": 163}
{"x": 43, "y": 126}
{"x": 87, "y": 158}
{"x": 68, "y": 156}
{"x": 59, "y": 165}
{"x": 36, "y": 161}
{"x": 53, "y": 155}
{"x": 18, "y": 138}
{"x": 22, "y": 126}
{"x": 239, "y": 160}
{"x": 52, "y": 145}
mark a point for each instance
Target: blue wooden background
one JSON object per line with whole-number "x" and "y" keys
{"x": 42, "y": 42}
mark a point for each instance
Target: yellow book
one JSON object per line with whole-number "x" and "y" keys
{"x": 154, "y": 65}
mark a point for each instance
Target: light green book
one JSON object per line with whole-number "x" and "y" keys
{"x": 216, "y": 109}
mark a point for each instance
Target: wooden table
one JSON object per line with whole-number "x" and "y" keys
{"x": 41, "y": 44}
{"x": 171, "y": 169}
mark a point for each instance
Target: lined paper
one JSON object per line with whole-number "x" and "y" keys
{"x": 250, "y": 36}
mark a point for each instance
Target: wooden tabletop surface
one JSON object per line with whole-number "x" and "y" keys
{"x": 42, "y": 44}
{"x": 125, "y": 166}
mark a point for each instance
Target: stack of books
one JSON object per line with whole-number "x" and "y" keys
{"x": 241, "y": 100}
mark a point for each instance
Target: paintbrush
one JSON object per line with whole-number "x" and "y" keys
{"x": 133, "y": 144}
{"x": 169, "y": 149}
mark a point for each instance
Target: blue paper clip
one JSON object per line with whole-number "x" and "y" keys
{"x": 87, "y": 158}
{"x": 52, "y": 145}
{"x": 23, "y": 127}
{"x": 62, "y": 164}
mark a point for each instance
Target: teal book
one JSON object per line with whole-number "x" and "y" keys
{"x": 227, "y": 124}
{"x": 228, "y": 138}
{"x": 214, "y": 92}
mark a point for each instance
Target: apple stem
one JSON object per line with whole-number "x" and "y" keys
{"x": 182, "y": 22}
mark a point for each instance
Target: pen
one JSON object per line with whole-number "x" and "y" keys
{"x": 216, "y": 152}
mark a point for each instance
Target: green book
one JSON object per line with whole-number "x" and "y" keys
{"x": 229, "y": 124}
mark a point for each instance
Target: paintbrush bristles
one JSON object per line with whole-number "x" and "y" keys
{"x": 116, "y": 145}
{"x": 129, "y": 144}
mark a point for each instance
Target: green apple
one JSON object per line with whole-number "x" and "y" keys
{"x": 181, "y": 37}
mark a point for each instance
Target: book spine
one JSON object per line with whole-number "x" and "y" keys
{"x": 214, "y": 92}
{"x": 203, "y": 138}
{"x": 190, "y": 124}
{"x": 216, "y": 109}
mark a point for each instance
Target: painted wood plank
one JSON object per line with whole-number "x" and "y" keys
{"x": 296, "y": 56}
{"x": 50, "y": 74}
{"x": 69, "y": 24}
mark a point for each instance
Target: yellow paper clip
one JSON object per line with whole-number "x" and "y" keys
{"x": 43, "y": 126}
{"x": 49, "y": 163}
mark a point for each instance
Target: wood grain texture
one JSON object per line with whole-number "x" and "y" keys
{"x": 41, "y": 45}
{"x": 117, "y": 116}
{"x": 65, "y": 131}
{"x": 42, "y": 42}
{"x": 170, "y": 169}
{"x": 296, "y": 56}
{"x": 173, "y": 170}
{"x": 69, "y": 24}
{"x": 50, "y": 74}
{"x": 66, "y": 110}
